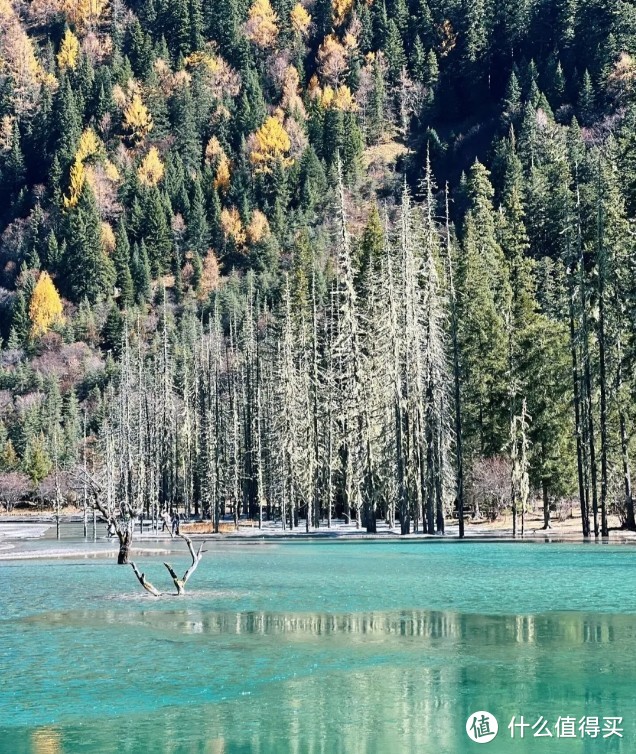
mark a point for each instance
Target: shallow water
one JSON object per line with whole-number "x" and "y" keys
{"x": 352, "y": 648}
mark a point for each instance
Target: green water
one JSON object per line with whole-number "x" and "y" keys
{"x": 294, "y": 648}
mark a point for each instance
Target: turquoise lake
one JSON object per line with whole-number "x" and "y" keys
{"x": 320, "y": 648}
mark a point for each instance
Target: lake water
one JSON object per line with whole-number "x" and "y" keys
{"x": 321, "y": 648}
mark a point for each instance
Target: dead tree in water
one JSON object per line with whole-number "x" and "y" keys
{"x": 178, "y": 582}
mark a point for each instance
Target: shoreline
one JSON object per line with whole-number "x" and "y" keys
{"x": 19, "y": 533}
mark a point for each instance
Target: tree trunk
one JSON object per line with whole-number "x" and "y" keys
{"x": 583, "y": 495}
{"x": 546, "y": 504}
{"x": 125, "y": 542}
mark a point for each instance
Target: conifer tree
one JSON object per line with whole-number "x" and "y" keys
{"x": 121, "y": 261}
{"x": 88, "y": 271}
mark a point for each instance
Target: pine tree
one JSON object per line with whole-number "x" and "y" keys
{"x": 113, "y": 331}
{"x": 140, "y": 270}
{"x": 67, "y": 123}
{"x": 197, "y": 236}
{"x": 394, "y": 51}
{"x": 483, "y": 304}
{"x": 121, "y": 261}
{"x": 88, "y": 271}
{"x": 19, "y": 319}
{"x": 155, "y": 232}
{"x": 586, "y": 103}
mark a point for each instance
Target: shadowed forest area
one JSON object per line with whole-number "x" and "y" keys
{"x": 357, "y": 259}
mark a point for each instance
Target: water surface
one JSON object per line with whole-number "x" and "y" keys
{"x": 286, "y": 648}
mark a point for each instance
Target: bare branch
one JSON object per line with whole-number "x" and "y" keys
{"x": 145, "y": 583}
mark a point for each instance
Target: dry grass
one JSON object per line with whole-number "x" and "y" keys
{"x": 385, "y": 154}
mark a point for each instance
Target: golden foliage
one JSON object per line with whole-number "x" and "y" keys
{"x": 213, "y": 150}
{"x": 151, "y": 169}
{"x": 223, "y": 174}
{"x": 211, "y": 62}
{"x": 313, "y": 88}
{"x": 76, "y": 184}
{"x": 217, "y": 77}
{"x": 271, "y": 146}
{"x": 232, "y": 225}
{"x": 108, "y": 238}
{"x": 210, "y": 275}
{"x": 69, "y": 51}
{"x": 262, "y": 24}
{"x": 332, "y": 59}
{"x": 350, "y": 42}
{"x": 89, "y": 145}
{"x": 258, "y": 229}
{"x": 85, "y": 14}
{"x": 45, "y": 308}
{"x": 343, "y": 100}
{"x": 137, "y": 119}
{"x": 300, "y": 20}
{"x": 339, "y": 98}
{"x": 111, "y": 172}
{"x": 326, "y": 97}
{"x": 623, "y": 75}
{"x": 19, "y": 61}
{"x": 291, "y": 100}
{"x": 340, "y": 9}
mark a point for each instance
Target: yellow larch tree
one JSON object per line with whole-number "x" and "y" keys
{"x": 223, "y": 174}
{"x": 271, "y": 146}
{"x": 137, "y": 119}
{"x": 326, "y": 97}
{"x": 85, "y": 15}
{"x": 68, "y": 54}
{"x": 261, "y": 27}
{"x": 300, "y": 20}
{"x": 213, "y": 150}
{"x": 18, "y": 60}
{"x": 333, "y": 59}
{"x": 340, "y": 9}
{"x": 291, "y": 100}
{"x": 45, "y": 308}
{"x": 89, "y": 145}
{"x": 111, "y": 172}
{"x": 108, "y": 238}
{"x": 76, "y": 184}
{"x": 233, "y": 226}
{"x": 258, "y": 229}
{"x": 151, "y": 169}
{"x": 343, "y": 100}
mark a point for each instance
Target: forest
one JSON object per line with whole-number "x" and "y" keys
{"x": 370, "y": 260}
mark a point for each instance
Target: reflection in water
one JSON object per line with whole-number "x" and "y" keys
{"x": 46, "y": 741}
{"x": 424, "y": 624}
{"x": 403, "y": 682}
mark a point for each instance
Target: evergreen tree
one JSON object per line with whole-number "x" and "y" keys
{"x": 156, "y": 233}
{"x": 88, "y": 271}
{"x": 121, "y": 261}
{"x": 140, "y": 269}
{"x": 197, "y": 236}
{"x": 67, "y": 123}
{"x": 113, "y": 331}
{"x": 483, "y": 305}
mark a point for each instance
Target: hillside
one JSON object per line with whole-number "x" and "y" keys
{"x": 333, "y": 258}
